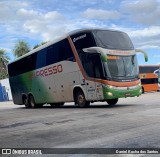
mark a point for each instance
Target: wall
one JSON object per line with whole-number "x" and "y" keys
{"x": 5, "y": 87}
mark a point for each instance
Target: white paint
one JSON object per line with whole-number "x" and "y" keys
{"x": 5, "y": 82}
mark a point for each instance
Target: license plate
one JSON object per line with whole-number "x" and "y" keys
{"x": 128, "y": 94}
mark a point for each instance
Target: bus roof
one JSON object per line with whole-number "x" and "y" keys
{"x": 59, "y": 39}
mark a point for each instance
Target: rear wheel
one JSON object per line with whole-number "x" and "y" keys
{"x": 32, "y": 102}
{"x": 80, "y": 100}
{"x": 112, "y": 102}
{"x": 25, "y": 102}
{"x": 142, "y": 90}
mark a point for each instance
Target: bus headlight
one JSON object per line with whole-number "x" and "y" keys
{"x": 109, "y": 93}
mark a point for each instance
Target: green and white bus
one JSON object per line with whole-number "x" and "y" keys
{"x": 83, "y": 66}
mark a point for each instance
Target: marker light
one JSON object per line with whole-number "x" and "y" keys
{"x": 139, "y": 84}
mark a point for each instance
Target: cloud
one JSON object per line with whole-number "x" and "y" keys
{"x": 140, "y": 6}
{"x": 143, "y": 12}
{"x": 143, "y": 38}
{"x": 30, "y": 21}
{"x": 8, "y": 9}
{"x": 148, "y": 32}
{"x": 101, "y": 14}
{"x": 24, "y": 14}
{"x": 53, "y": 15}
{"x": 48, "y": 25}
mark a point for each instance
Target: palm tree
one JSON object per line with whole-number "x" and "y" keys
{"x": 21, "y": 48}
{"x": 36, "y": 46}
{"x": 4, "y": 59}
{"x": 42, "y": 43}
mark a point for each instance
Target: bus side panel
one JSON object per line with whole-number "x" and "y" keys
{"x": 56, "y": 87}
{"x": 26, "y": 83}
{"x": 17, "y": 88}
{"x": 71, "y": 80}
{"x": 43, "y": 89}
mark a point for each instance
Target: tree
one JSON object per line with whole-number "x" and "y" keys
{"x": 4, "y": 59}
{"x": 21, "y": 48}
{"x": 36, "y": 46}
{"x": 42, "y": 43}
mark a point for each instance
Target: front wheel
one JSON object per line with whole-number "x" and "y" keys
{"x": 112, "y": 102}
{"x": 80, "y": 100}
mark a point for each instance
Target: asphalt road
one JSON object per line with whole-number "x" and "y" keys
{"x": 132, "y": 123}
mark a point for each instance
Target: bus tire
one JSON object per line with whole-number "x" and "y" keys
{"x": 142, "y": 90}
{"x": 80, "y": 99}
{"x": 112, "y": 102}
{"x": 32, "y": 102}
{"x": 57, "y": 104}
{"x": 25, "y": 101}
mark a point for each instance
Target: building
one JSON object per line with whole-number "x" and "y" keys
{"x": 5, "y": 91}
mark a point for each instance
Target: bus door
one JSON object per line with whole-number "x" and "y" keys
{"x": 98, "y": 74}
{"x": 92, "y": 66}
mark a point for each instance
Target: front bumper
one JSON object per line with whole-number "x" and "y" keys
{"x": 110, "y": 92}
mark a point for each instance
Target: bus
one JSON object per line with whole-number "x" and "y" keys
{"x": 84, "y": 66}
{"x": 149, "y": 75}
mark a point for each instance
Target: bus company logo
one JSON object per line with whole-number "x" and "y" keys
{"x": 78, "y": 38}
{"x": 6, "y": 151}
{"x": 51, "y": 70}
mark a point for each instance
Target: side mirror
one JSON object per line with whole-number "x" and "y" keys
{"x": 145, "y": 54}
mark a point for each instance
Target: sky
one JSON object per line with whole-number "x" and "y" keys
{"x": 44, "y": 20}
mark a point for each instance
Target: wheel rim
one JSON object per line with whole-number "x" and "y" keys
{"x": 80, "y": 99}
{"x": 25, "y": 101}
{"x": 32, "y": 102}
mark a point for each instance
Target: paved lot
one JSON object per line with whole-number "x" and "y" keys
{"x": 132, "y": 123}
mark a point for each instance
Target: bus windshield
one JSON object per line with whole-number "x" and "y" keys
{"x": 122, "y": 68}
{"x": 113, "y": 40}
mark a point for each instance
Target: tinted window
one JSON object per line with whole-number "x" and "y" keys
{"x": 23, "y": 65}
{"x": 65, "y": 51}
{"x": 113, "y": 40}
{"x": 149, "y": 81}
{"x": 83, "y": 40}
{"x": 41, "y": 58}
{"x": 50, "y": 55}
{"x": 30, "y": 62}
{"x": 148, "y": 69}
{"x": 59, "y": 52}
